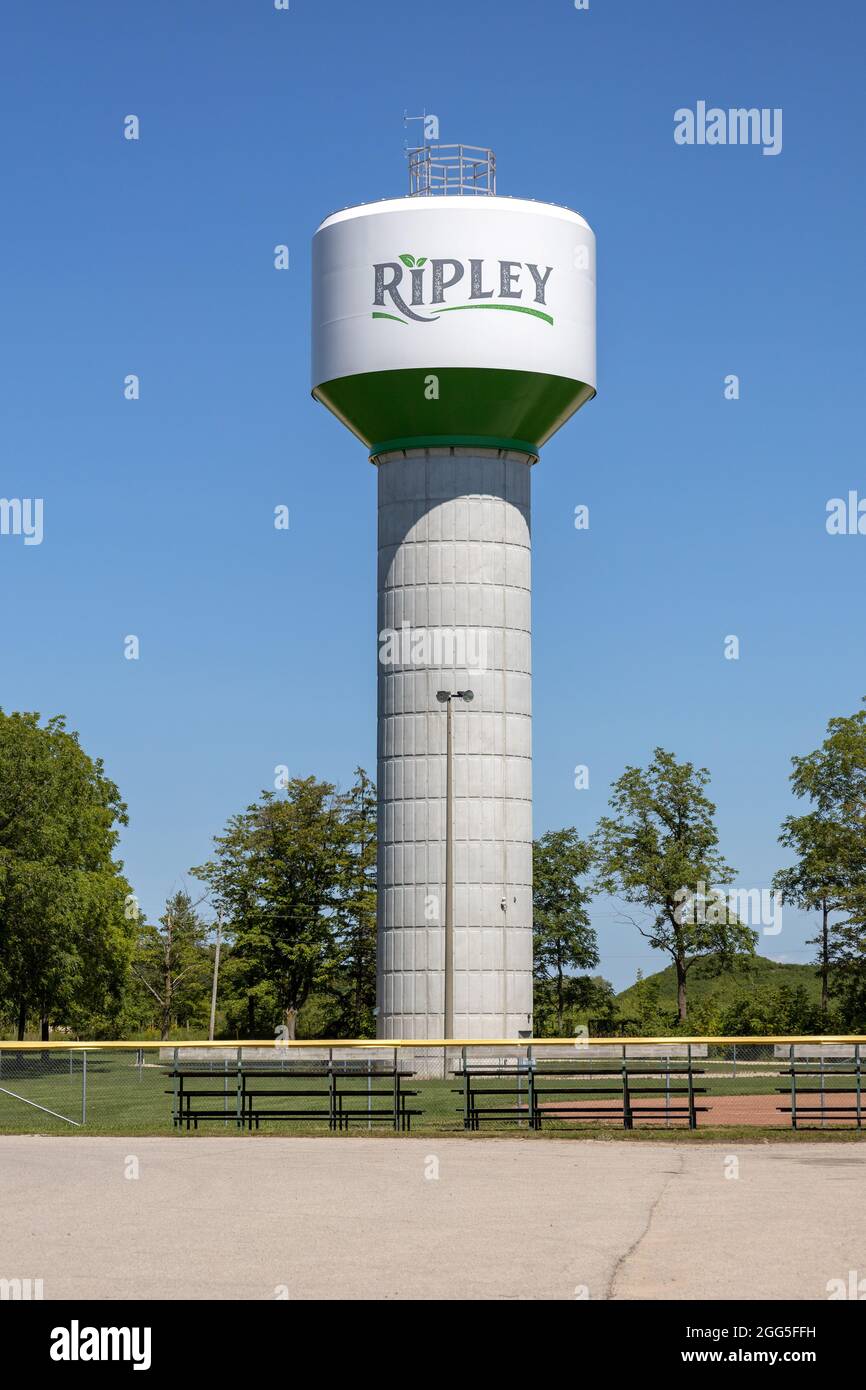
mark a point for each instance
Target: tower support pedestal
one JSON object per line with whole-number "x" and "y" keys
{"x": 454, "y": 613}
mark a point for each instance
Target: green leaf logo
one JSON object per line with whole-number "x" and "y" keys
{"x": 407, "y": 259}
{"x": 422, "y": 260}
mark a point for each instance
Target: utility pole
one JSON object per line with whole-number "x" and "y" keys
{"x": 216, "y": 971}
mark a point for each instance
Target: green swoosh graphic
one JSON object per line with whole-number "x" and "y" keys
{"x": 454, "y": 308}
{"x": 509, "y": 308}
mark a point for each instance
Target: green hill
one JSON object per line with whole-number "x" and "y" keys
{"x": 756, "y": 973}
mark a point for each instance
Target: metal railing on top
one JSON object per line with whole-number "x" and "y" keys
{"x": 451, "y": 169}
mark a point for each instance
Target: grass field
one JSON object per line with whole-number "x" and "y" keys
{"x": 131, "y": 1095}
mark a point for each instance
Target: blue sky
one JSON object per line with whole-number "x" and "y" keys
{"x": 707, "y": 516}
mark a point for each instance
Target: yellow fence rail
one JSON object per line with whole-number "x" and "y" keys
{"x": 678, "y": 1040}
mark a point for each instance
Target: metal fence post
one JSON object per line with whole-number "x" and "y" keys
{"x": 84, "y": 1087}
{"x": 627, "y": 1119}
{"x": 823, "y": 1097}
{"x": 668, "y": 1089}
{"x": 175, "y": 1114}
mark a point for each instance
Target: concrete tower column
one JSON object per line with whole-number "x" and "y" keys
{"x": 454, "y": 612}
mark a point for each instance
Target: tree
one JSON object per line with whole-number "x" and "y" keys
{"x": 276, "y": 872}
{"x": 771, "y": 1009}
{"x": 827, "y": 854}
{"x": 660, "y": 850}
{"x": 65, "y": 933}
{"x": 848, "y": 984}
{"x": 173, "y": 964}
{"x": 246, "y": 1000}
{"x": 563, "y": 940}
{"x": 603, "y": 1007}
{"x": 647, "y": 1006}
{"x": 355, "y": 967}
{"x": 829, "y": 841}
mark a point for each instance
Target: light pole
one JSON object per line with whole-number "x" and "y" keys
{"x": 445, "y": 698}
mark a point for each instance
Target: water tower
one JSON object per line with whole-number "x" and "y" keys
{"x": 453, "y": 333}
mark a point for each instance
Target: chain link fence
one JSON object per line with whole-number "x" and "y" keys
{"x": 566, "y": 1087}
